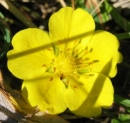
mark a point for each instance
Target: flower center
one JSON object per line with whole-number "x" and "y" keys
{"x": 65, "y": 64}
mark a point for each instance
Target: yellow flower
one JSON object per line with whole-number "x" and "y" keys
{"x": 69, "y": 67}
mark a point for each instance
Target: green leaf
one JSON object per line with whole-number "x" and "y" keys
{"x": 115, "y": 121}
{"x": 100, "y": 15}
{"x": 122, "y": 101}
{"x": 6, "y": 36}
{"x": 80, "y": 4}
{"x": 122, "y": 22}
{"x": 1, "y": 15}
{"x": 123, "y": 35}
{"x": 124, "y": 117}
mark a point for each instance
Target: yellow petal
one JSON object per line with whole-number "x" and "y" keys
{"x": 30, "y": 56}
{"x": 87, "y": 94}
{"x": 102, "y": 54}
{"x": 69, "y": 23}
{"x": 47, "y": 93}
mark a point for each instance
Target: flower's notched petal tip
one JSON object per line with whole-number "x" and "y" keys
{"x": 70, "y": 26}
{"x": 90, "y": 96}
{"x": 105, "y": 49}
{"x": 26, "y": 59}
{"x": 44, "y": 93}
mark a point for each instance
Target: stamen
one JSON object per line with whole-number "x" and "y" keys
{"x": 68, "y": 49}
{"x": 91, "y": 50}
{"x": 53, "y": 60}
{"x": 43, "y": 65}
{"x": 54, "y": 69}
{"x": 82, "y": 53}
{"x": 75, "y": 86}
{"x": 63, "y": 79}
{"x": 51, "y": 78}
{"x": 60, "y": 41}
{"x": 61, "y": 76}
{"x": 49, "y": 49}
{"x": 95, "y": 61}
{"x": 83, "y": 64}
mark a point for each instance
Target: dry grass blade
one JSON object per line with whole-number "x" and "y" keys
{"x": 62, "y": 2}
{"x": 97, "y": 7}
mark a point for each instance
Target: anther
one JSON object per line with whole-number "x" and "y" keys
{"x": 60, "y": 42}
{"x": 49, "y": 49}
{"x": 43, "y": 65}
{"x": 54, "y": 69}
{"x": 75, "y": 86}
{"x": 51, "y": 78}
